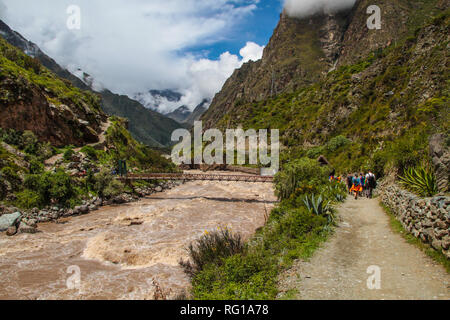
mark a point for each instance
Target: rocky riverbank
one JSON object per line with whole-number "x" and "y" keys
{"x": 14, "y": 220}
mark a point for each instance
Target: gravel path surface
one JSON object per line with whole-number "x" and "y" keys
{"x": 338, "y": 270}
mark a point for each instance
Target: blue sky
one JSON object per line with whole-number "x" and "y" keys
{"x": 256, "y": 27}
{"x": 132, "y": 46}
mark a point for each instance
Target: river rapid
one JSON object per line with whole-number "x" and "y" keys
{"x": 121, "y": 252}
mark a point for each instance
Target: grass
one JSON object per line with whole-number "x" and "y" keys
{"x": 397, "y": 227}
{"x": 253, "y": 274}
{"x": 291, "y": 232}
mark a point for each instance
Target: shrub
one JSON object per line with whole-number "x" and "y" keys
{"x": 113, "y": 189}
{"x": 378, "y": 163}
{"x": 106, "y": 186}
{"x": 407, "y": 152}
{"x": 212, "y": 248}
{"x": 316, "y": 204}
{"x": 319, "y": 206}
{"x": 3, "y": 189}
{"x": 315, "y": 152}
{"x": 44, "y": 151}
{"x": 90, "y": 152}
{"x": 32, "y": 64}
{"x": 337, "y": 143}
{"x": 29, "y": 199}
{"x": 11, "y": 137}
{"x": 68, "y": 154}
{"x": 300, "y": 176}
{"x": 240, "y": 277}
{"x": 12, "y": 177}
{"x": 335, "y": 191}
{"x": 36, "y": 166}
{"x": 57, "y": 186}
{"x": 420, "y": 180}
{"x": 29, "y": 143}
{"x": 62, "y": 187}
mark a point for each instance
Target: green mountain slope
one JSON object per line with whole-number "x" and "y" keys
{"x": 147, "y": 126}
{"x": 33, "y": 98}
{"x": 303, "y": 51}
{"x": 380, "y": 111}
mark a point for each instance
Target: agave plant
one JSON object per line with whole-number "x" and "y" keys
{"x": 335, "y": 192}
{"x": 317, "y": 205}
{"x": 339, "y": 198}
{"x": 420, "y": 180}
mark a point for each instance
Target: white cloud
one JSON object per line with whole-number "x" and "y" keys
{"x": 135, "y": 45}
{"x": 304, "y": 8}
{"x": 251, "y": 51}
{"x": 206, "y": 77}
{"x": 3, "y": 11}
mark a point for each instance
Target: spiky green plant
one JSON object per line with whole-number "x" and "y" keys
{"x": 317, "y": 205}
{"x": 420, "y": 180}
{"x": 335, "y": 191}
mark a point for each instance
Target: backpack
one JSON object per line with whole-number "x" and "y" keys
{"x": 372, "y": 182}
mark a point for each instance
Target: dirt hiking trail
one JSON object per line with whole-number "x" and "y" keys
{"x": 364, "y": 238}
{"x": 101, "y": 139}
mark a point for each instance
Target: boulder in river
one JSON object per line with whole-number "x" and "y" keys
{"x": 9, "y": 220}
{"x": 11, "y": 231}
{"x": 25, "y": 228}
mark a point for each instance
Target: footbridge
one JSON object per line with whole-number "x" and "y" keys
{"x": 197, "y": 177}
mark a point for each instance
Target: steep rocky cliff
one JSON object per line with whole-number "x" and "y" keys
{"x": 377, "y": 112}
{"x": 399, "y": 19}
{"x": 146, "y": 126}
{"x": 303, "y": 51}
{"x": 299, "y": 53}
{"x": 33, "y": 98}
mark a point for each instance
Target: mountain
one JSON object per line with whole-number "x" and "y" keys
{"x": 361, "y": 98}
{"x": 303, "y": 51}
{"x": 35, "y": 99}
{"x": 56, "y": 141}
{"x": 154, "y": 99}
{"x": 145, "y": 125}
{"x": 299, "y": 52}
{"x": 31, "y": 49}
{"x": 184, "y": 115}
{"x": 180, "y": 115}
{"x": 198, "y": 112}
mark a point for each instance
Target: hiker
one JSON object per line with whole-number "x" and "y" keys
{"x": 332, "y": 177}
{"x": 357, "y": 187}
{"x": 362, "y": 179}
{"x": 349, "y": 183}
{"x": 371, "y": 184}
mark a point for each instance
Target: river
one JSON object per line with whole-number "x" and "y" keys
{"x": 118, "y": 252}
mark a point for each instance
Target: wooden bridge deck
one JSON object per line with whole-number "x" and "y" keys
{"x": 197, "y": 177}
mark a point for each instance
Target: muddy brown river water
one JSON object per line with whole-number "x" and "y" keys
{"x": 120, "y": 250}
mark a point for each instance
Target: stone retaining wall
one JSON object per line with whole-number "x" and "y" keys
{"x": 426, "y": 218}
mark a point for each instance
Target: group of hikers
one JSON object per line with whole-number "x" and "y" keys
{"x": 359, "y": 184}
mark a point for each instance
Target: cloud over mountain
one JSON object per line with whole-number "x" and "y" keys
{"x": 132, "y": 46}
{"x": 304, "y": 8}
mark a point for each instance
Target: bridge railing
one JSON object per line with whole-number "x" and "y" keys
{"x": 198, "y": 177}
